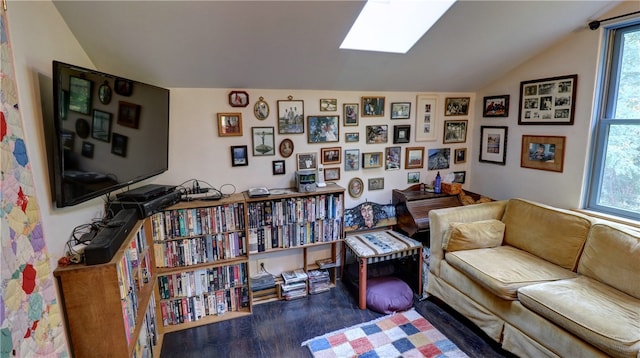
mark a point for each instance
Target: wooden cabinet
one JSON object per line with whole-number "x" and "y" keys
{"x": 110, "y": 308}
{"x": 202, "y": 264}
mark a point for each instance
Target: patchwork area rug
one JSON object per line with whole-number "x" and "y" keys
{"x": 403, "y": 334}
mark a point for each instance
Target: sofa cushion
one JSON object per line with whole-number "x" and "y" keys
{"x": 473, "y": 235}
{"x": 612, "y": 256}
{"x": 554, "y": 234}
{"x": 504, "y": 269}
{"x": 593, "y": 311}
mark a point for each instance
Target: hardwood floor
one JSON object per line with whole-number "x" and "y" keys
{"x": 276, "y": 329}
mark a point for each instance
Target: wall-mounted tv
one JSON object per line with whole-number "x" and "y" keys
{"x": 109, "y": 132}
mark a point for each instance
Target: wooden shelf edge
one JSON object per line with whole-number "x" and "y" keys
{"x": 206, "y": 320}
{"x": 163, "y": 271}
{"x": 315, "y": 244}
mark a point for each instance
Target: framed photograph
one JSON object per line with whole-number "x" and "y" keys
{"x": 496, "y": 106}
{"x": 323, "y": 129}
{"x": 543, "y": 152}
{"x": 377, "y": 134}
{"x": 238, "y": 99}
{"x": 290, "y": 116}
{"x": 459, "y": 177}
{"x": 278, "y": 167}
{"x": 548, "y": 100}
{"x": 123, "y": 87}
{"x": 355, "y": 187}
{"x": 307, "y": 161}
{"x": 67, "y": 138}
{"x": 401, "y": 134}
{"x": 332, "y": 174}
{"x": 493, "y": 144}
{"x": 87, "y": 149}
{"x": 352, "y": 137}
{"x": 371, "y": 160}
{"x": 414, "y": 157}
{"x": 83, "y": 128}
{"x": 455, "y": 131}
{"x": 239, "y": 156}
{"x": 392, "y": 158}
{"x": 229, "y": 124}
{"x": 439, "y": 158}
{"x": 460, "y": 155}
{"x": 351, "y": 113}
{"x": 80, "y": 91}
{"x": 456, "y": 106}
{"x": 328, "y": 105}
{"x": 413, "y": 177}
{"x": 119, "y": 144}
{"x": 376, "y": 183}
{"x": 101, "y": 127}
{"x": 263, "y": 140}
{"x": 400, "y": 110}
{"x": 261, "y": 109}
{"x": 286, "y": 148}
{"x": 426, "y": 118}
{"x": 373, "y": 106}
{"x": 351, "y": 159}
{"x": 331, "y": 155}
{"x": 129, "y": 114}
{"x": 104, "y": 93}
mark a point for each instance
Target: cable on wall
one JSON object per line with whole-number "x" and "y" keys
{"x": 595, "y": 24}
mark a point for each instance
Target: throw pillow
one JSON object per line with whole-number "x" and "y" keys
{"x": 473, "y": 235}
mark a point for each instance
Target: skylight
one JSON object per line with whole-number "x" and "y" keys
{"x": 393, "y": 25}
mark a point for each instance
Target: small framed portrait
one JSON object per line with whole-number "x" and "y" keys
{"x": 400, "y": 110}
{"x": 101, "y": 128}
{"x": 80, "y": 91}
{"x": 87, "y": 149}
{"x": 286, "y": 148}
{"x": 104, "y": 93}
{"x": 355, "y": 187}
{"x": 543, "y": 152}
{"x": 456, "y": 106}
{"x": 493, "y": 144}
{"x": 323, "y": 129}
{"x": 377, "y": 134}
{"x": 328, "y": 105}
{"x": 229, "y": 124}
{"x": 455, "y": 131}
{"x": 290, "y": 116}
{"x": 371, "y": 160}
{"x": 239, "y": 156}
{"x": 414, "y": 157}
{"x": 373, "y": 106}
{"x": 352, "y": 137}
{"x": 278, "y": 167}
{"x": 119, "y": 144}
{"x": 413, "y": 177}
{"x": 331, "y": 155}
{"x": 123, "y": 87}
{"x": 459, "y": 177}
{"x": 238, "y": 99}
{"x": 351, "y": 113}
{"x": 376, "y": 183}
{"x": 392, "y": 158}
{"x": 401, "y": 134}
{"x": 261, "y": 109}
{"x": 351, "y": 159}
{"x": 426, "y": 118}
{"x": 263, "y": 139}
{"x": 67, "y": 138}
{"x": 83, "y": 128}
{"x": 496, "y": 106}
{"x": 460, "y": 155}
{"x": 128, "y": 114}
{"x": 439, "y": 158}
{"x": 306, "y": 161}
{"x": 332, "y": 174}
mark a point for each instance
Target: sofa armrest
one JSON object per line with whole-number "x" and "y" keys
{"x": 440, "y": 219}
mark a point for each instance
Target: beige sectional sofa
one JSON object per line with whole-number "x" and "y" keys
{"x": 539, "y": 280}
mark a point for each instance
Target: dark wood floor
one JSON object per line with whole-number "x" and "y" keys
{"x": 276, "y": 329}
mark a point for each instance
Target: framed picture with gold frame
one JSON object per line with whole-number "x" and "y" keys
{"x": 230, "y": 124}
{"x": 373, "y": 106}
{"x": 331, "y": 155}
{"x": 355, "y": 187}
{"x": 414, "y": 157}
{"x": 543, "y": 152}
{"x": 371, "y": 160}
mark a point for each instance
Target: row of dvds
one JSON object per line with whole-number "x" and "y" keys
{"x": 294, "y": 210}
{"x": 291, "y": 235}
{"x": 197, "y": 282}
{"x": 191, "y": 309}
{"x": 178, "y": 223}
{"x": 198, "y": 250}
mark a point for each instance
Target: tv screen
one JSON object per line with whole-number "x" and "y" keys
{"x": 110, "y": 132}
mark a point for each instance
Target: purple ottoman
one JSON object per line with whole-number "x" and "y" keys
{"x": 388, "y": 294}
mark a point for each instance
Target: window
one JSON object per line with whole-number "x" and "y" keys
{"x": 614, "y": 185}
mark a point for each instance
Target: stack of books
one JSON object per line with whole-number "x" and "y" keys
{"x": 295, "y": 284}
{"x": 319, "y": 281}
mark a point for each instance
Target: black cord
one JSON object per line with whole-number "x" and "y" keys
{"x": 594, "y": 25}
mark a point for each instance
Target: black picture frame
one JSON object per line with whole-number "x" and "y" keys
{"x": 238, "y": 99}
{"x": 87, "y": 149}
{"x": 279, "y": 167}
{"x": 548, "y": 101}
{"x": 493, "y": 144}
{"x": 80, "y": 90}
{"x": 101, "y": 126}
{"x": 104, "y": 93}
{"x": 239, "y": 156}
{"x": 83, "y": 128}
{"x": 496, "y": 106}
{"x": 119, "y": 144}
{"x": 129, "y": 114}
{"x": 263, "y": 140}
{"x": 123, "y": 87}
{"x": 401, "y": 134}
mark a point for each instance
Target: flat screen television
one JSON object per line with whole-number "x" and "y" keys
{"x": 109, "y": 132}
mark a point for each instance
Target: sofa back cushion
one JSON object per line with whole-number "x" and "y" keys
{"x": 553, "y": 234}
{"x": 473, "y": 235}
{"x": 612, "y": 256}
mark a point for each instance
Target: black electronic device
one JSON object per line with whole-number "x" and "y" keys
{"x": 108, "y": 240}
{"x": 146, "y": 192}
{"x": 124, "y": 122}
{"x": 149, "y": 207}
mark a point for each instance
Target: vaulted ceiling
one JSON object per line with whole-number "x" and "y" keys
{"x": 294, "y": 44}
